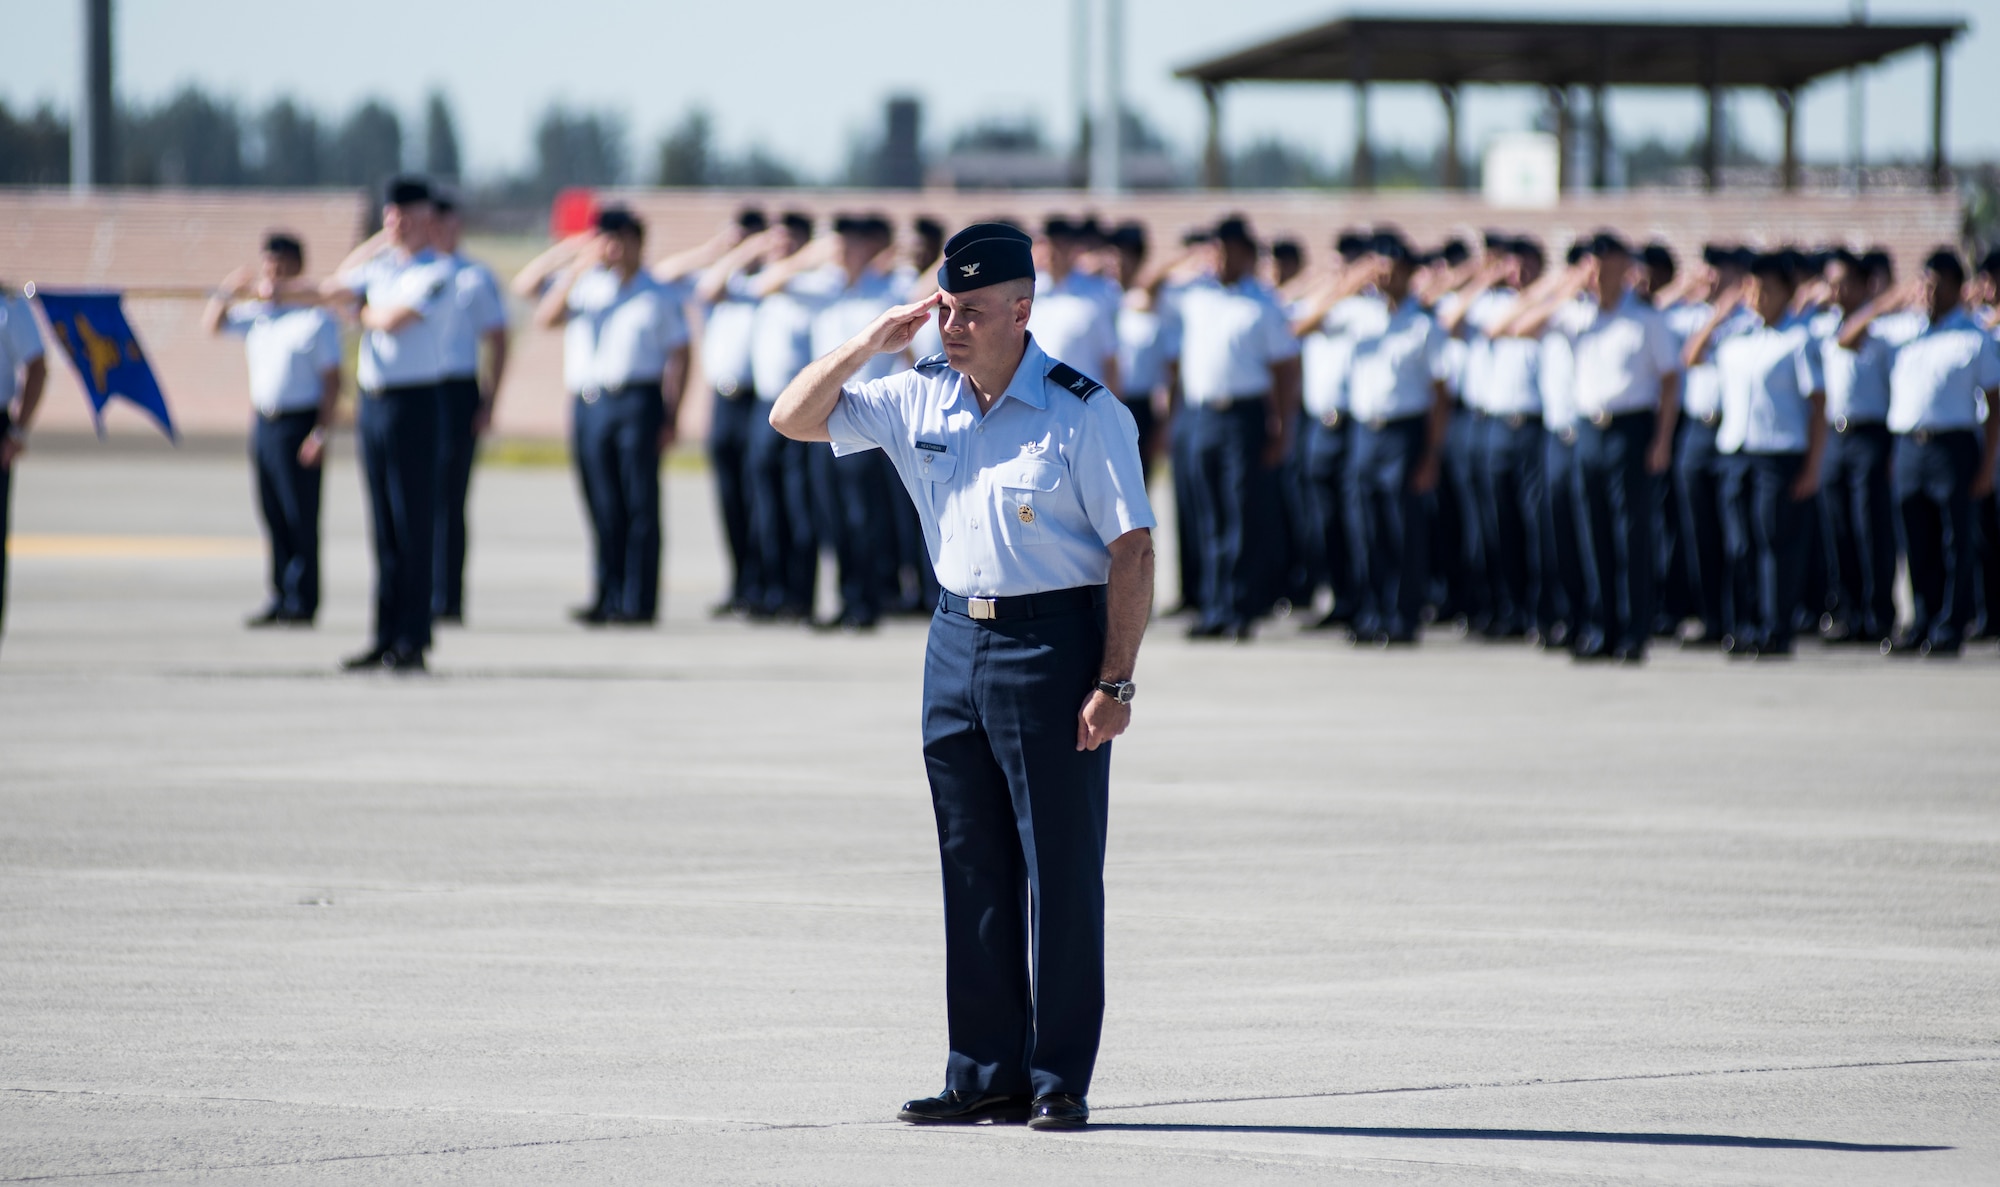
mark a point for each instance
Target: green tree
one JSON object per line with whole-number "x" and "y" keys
{"x": 34, "y": 149}
{"x": 294, "y": 143}
{"x": 686, "y": 152}
{"x": 368, "y": 148}
{"x": 440, "y": 139}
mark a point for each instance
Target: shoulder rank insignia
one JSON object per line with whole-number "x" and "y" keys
{"x": 1074, "y": 381}
{"x": 931, "y": 362}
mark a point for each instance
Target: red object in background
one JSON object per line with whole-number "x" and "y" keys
{"x": 573, "y": 212}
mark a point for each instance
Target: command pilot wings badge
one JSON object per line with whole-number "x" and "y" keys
{"x": 971, "y": 269}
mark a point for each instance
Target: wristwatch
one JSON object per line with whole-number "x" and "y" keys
{"x": 1121, "y": 691}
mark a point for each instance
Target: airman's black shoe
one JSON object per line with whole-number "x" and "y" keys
{"x": 955, "y": 1107}
{"x": 1059, "y": 1110}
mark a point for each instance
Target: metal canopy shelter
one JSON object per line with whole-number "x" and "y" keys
{"x": 1449, "y": 52}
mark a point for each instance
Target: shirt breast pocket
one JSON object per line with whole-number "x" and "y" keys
{"x": 934, "y": 471}
{"x": 1026, "y": 489}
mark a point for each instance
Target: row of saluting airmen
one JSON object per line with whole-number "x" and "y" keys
{"x": 1588, "y": 457}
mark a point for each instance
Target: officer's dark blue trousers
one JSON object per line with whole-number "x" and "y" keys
{"x": 1933, "y": 484}
{"x": 1764, "y": 530}
{"x": 1457, "y": 542}
{"x": 1326, "y": 473}
{"x": 458, "y": 404}
{"x": 780, "y": 518}
{"x": 1141, "y": 408}
{"x": 1563, "y": 533}
{"x": 1021, "y": 818}
{"x": 398, "y": 428}
{"x": 1388, "y": 524}
{"x": 1510, "y": 502}
{"x": 729, "y": 428}
{"x": 1859, "y": 527}
{"x": 1698, "y": 481}
{"x": 288, "y": 495}
{"x": 618, "y": 457}
{"x": 1615, "y": 498}
{"x": 1290, "y": 545}
{"x": 1676, "y": 599}
{"x": 1188, "y": 535}
{"x": 1228, "y": 447}
{"x": 851, "y": 512}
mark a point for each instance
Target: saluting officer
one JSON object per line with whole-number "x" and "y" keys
{"x": 1943, "y": 461}
{"x": 405, "y": 293}
{"x": 294, "y": 354}
{"x": 1240, "y": 386}
{"x": 1626, "y": 376}
{"x": 23, "y": 372}
{"x": 1858, "y": 511}
{"x": 477, "y": 317}
{"x": 625, "y": 353}
{"x": 1319, "y": 321}
{"x": 1028, "y": 478}
{"x": 1401, "y": 407}
{"x": 1076, "y": 313}
{"x": 1773, "y": 436}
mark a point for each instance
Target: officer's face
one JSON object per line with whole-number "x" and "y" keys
{"x": 1942, "y": 292}
{"x": 1614, "y": 270}
{"x": 408, "y": 224}
{"x": 1768, "y": 295}
{"x": 984, "y": 325}
{"x": 619, "y": 252}
{"x": 275, "y": 266}
{"x": 1523, "y": 271}
{"x": 1850, "y": 290}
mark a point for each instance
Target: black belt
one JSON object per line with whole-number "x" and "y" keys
{"x": 1383, "y": 424}
{"x": 592, "y": 395}
{"x": 1843, "y": 425}
{"x": 402, "y": 389}
{"x": 1606, "y": 420}
{"x": 1225, "y": 403}
{"x": 275, "y": 417}
{"x": 1035, "y": 605}
{"x": 1926, "y": 436}
{"x": 729, "y": 389}
{"x": 1512, "y": 420}
{"x": 1708, "y": 421}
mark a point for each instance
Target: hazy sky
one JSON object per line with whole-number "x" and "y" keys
{"x": 802, "y": 77}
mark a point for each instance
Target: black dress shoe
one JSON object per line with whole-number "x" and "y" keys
{"x": 590, "y": 615}
{"x": 268, "y": 616}
{"x": 1207, "y": 630}
{"x": 365, "y": 661}
{"x": 1629, "y": 653}
{"x": 955, "y": 1107}
{"x": 1905, "y": 647}
{"x": 448, "y": 618}
{"x": 1334, "y": 618}
{"x": 404, "y": 660}
{"x": 1059, "y": 1110}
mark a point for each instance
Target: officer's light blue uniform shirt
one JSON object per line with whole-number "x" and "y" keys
{"x": 475, "y": 310}
{"x": 725, "y": 338}
{"x": 414, "y": 355}
{"x": 1025, "y": 499}
{"x": 1555, "y": 371}
{"x": 781, "y": 336}
{"x": 1619, "y": 357}
{"x": 290, "y": 347}
{"x": 1325, "y": 356}
{"x": 1767, "y": 373}
{"x": 20, "y": 344}
{"x": 1076, "y": 320}
{"x": 1148, "y": 339}
{"x": 1230, "y": 337}
{"x": 1857, "y": 381}
{"x": 842, "y": 309}
{"x": 621, "y": 334}
{"x": 1935, "y": 378}
{"x": 1398, "y": 355}
{"x": 1501, "y": 374}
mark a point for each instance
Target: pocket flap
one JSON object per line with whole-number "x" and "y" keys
{"x": 1028, "y": 475}
{"x": 936, "y": 466}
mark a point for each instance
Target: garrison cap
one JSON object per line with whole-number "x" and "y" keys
{"x": 1577, "y": 251}
{"x": 1496, "y": 240}
{"x": 1945, "y": 262}
{"x": 405, "y": 190}
{"x": 1607, "y": 243}
{"x": 1845, "y": 258}
{"x": 1058, "y": 227}
{"x": 1286, "y": 249}
{"x": 1351, "y": 245}
{"x": 798, "y": 224}
{"x": 1235, "y": 229}
{"x": 1525, "y": 246}
{"x": 984, "y": 254}
{"x": 1197, "y": 235}
{"x": 1454, "y": 252}
{"x": 751, "y": 220}
{"x": 1391, "y": 245}
{"x": 1771, "y": 263}
{"x": 1128, "y": 237}
{"x": 1875, "y": 261}
{"x": 444, "y": 198}
{"x": 1657, "y": 255}
{"x": 283, "y": 243}
{"x": 928, "y": 227}
{"x": 619, "y": 220}
{"x": 861, "y": 224}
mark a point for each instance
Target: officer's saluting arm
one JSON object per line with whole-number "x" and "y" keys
{"x": 803, "y": 407}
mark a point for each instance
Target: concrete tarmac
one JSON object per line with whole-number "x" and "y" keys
{"x": 610, "y": 907}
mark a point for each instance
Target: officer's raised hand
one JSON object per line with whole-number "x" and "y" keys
{"x": 897, "y": 327}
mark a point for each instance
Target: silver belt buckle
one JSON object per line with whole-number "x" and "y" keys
{"x": 592, "y": 395}
{"x": 982, "y": 609}
{"x": 1600, "y": 418}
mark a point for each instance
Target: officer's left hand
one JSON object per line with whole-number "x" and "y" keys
{"x": 1424, "y": 479}
{"x": 1805, "y": 486}
{"x": 1659, "y": 455}
{"x": 1100, "y": 720}
{"x": 482, "y": 418}
{"x": 1982, "y": 483}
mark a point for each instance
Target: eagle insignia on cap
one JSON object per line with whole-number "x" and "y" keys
{"x": 971, "y": 269}
{"x": 1025, "y": 513}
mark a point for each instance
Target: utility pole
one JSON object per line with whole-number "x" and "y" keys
{"x": 1107, "y": 146}
{"x": 91, "y": 151}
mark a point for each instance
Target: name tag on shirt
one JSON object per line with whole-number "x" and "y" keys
{"x": 934, "y": 448}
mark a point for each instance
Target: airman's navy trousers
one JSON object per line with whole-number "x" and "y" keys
{"x": 1021, "y": 817}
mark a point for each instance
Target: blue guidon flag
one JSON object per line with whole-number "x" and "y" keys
{"x": 101, "y": 346}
